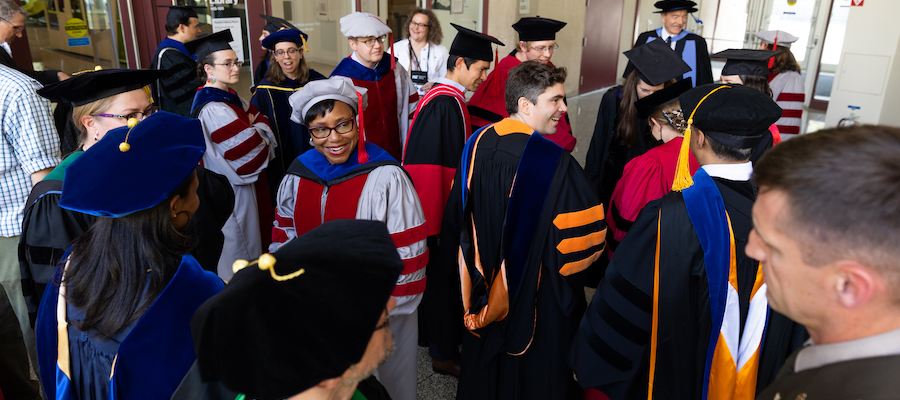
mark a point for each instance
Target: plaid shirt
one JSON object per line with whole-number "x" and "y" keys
{"x": 29, "y": 144}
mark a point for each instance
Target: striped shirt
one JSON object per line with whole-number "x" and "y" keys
{"x": 30, "y": 144}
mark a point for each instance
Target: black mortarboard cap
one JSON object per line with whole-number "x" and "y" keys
{"x": 274, "y": 24}
{"x": 177, "y": 14}
{"x": 536, "y": 28}
{"x": 666, "y": 95}
{"x": 90, "y": 86}
{"x": 675, "y": 5}
{"x": 472, "y": 44}
{"x": 746, "y": 61}
{"x": 656, "y": 63}
{"x": 275, "y": 331}
{"x": 134, "y": 169}
{"x": 735, "y": 116}
{"x": 206, "y": 45}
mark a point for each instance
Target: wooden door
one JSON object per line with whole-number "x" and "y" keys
{"x": 600, "y": 46}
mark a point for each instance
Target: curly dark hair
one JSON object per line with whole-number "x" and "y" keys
{"x": 784, "y": 61}
{"x": 435, "y": 35}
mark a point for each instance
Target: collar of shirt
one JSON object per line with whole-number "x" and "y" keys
{"x": 664, "y": 35}
{"x": 7, "y": 48}
{"x": 814, "y": 356}
{"x": 732, "y": 172}
{"x": 356, "y": 58}
{"x": 444, "y": 81}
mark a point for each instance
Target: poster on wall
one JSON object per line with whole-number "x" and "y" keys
{"x": 456, "y": 6}
{"x": 233, "y": 24}
{"x": 524, "y": 6}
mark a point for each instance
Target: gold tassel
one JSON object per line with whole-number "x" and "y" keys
{"x": 683, "y": 178}
{"x": 267, "y": 262}
{"x": 303, "y": 39}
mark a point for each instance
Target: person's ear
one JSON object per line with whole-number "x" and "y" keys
{"x": 855, "y": 285}
{"x": 460, "y": 64}
{"x": 698, "y": 137}
{"x": 524, "y": 106}
{"x": 352, "y": 44}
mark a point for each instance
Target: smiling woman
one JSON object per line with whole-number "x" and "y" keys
{"x": 422, "y": 53}
{"x": 287, "y": 75}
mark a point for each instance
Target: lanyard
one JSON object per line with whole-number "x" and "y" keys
{"x": 414, "y": 61}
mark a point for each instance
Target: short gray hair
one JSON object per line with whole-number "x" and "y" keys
{"x": 9, "y": 9}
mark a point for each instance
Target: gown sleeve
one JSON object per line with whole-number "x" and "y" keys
{"x": 283, "y": 230}
{"x": 239, "y": 150}
{"x": 389, "y": 196}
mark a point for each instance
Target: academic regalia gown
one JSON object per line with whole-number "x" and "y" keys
{"x": 48, "y": 229}
{"x": 292, "y": 138}
{"x": 522, "y": 249}
{"x": 392, "y": 100}
{"x": 645, "y": 178}
{"x": 788, "y": 92}
{"x": 607, "y": 156}
{"x": 434, "y": 146}
{"x": 241, "y": 152}
{"x": 377, "y": 189}
{"x": 174, "y": 91}
{"x": 692, "y": 49}
{"x": 488, "y": 104}
{"x": 135, "y": 362}
{"x": 611, "y": 350}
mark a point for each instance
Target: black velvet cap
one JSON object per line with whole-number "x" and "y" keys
{"x": 735, "y": 116}
{"x": 656, "y": 63}
{"x": 206, "y": 45}
{"x": 134, "y": 169}
{"x": 177, "y": 14}
{"x": 666, "y": 95}
{"x": 471, "y": 44}
{"x": 90, "y": 86}
{"x": 274, "y": 24}
{"x": 746, "y": 61}
{"x": 536, "y": 28}
{"x": 675, "y": 5}
{"x": 272, "y": 339}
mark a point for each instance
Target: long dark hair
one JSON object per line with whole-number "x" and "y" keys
{"x": 276, "y": 74}
{"x": 627, "y": 127}
{"x": 113, "y": 262}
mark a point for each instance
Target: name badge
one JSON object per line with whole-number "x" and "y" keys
{"x": 419, "y": 77}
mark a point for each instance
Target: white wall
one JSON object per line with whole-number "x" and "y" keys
{"x": 868, "y": 75}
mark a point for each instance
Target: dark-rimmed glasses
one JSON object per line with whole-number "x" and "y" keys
{"x": 322, "y": 132}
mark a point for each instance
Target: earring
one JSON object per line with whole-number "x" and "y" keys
{"x": 311, "y": 142}
{"x": 211, "y": 80}
{"x": 96, "y": 137}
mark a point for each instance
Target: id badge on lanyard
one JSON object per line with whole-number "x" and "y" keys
{"x": 418, "y": 77}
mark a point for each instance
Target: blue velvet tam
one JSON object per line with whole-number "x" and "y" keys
{"x": 160, "y": 153}
{"x": 284, "y": 35}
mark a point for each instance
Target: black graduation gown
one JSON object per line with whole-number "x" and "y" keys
{"x": 431, "y": 156}
{"x": 523, "y": 355}
{"x": 174, "y": 91}
{"x": 48, "y": 230}
{"x": 607, "y": 156}
{"x": 703, "y": 67}
{"x": 611, "y": 350}
{"x": 293, "y": 138}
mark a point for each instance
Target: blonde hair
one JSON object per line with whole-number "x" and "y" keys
{"x": 97, "y": 107}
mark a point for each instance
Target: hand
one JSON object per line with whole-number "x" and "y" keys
{"x": 426, "y": 87}
{"x": 251, "y": 118}
{"x": 62, "y": 75}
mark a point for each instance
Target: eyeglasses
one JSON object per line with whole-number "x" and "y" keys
{"x": 371, "y": 42}
{"x": 322, "y": 132}
{"x": 543, "y": 49}
{"x": 414, "y": 23}
{"x": 140, "y": 115}
{"x": 231, "y": 64}
{"x": 289, "y": 52}
{"x": 18, "y": 28}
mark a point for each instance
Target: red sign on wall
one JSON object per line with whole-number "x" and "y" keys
{"x": 856, "y": 3}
